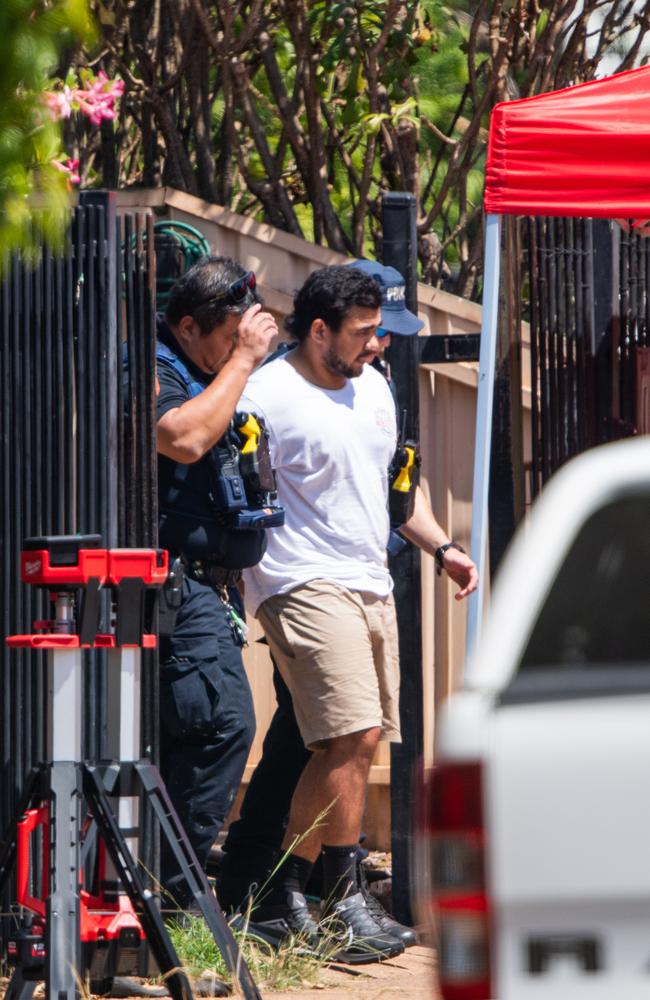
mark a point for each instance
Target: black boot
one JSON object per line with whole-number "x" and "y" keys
{"x": 279, "y": 923}
{"x": 388, "y": 924}
{"x": 349, "y": 925}
{"x": 280, "y": 912}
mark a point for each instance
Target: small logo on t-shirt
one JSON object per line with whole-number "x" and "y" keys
{"x": 383, "y": 420}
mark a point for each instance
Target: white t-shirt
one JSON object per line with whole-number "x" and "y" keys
{"x": 331, "y": 449}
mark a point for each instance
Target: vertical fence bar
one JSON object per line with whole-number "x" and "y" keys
{"x": 552, "y": 347}
{"x": 533, "y": 283}
{"x": 81, "y": 374}
{"x": 560, "y": 341}
{"x": 122, "y": 381}
{"x": 63, "y": 452}
{"x": 113, "y": 366}
{"x": 149, "y": 508}
{"x": 572, "y": 393}
{"x": 19, "y": 524}
{"x": 639, "y": 255}
{"x": 6, "y": 791}
{"x": 29, "y": 490}
{"x": 142, "y": 426}
{"x": 589, "y": 274}
{"x": 6, "y": 431}
{"x": 545, "y": 364}
{"x": 505, "y": 502}
{"x": 646, "y": 282}
{"x": 580, "y": 331}
{"x": 39, "y": 354}
{"x": 611, "y": 357}
{"x": 399, "y": 249}
{"x": 67, "y": 517}
{"x": 626, "y": 284}
{"x": 53, "y": 402}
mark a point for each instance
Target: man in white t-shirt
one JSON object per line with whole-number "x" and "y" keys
{"x": 323, "y": 591}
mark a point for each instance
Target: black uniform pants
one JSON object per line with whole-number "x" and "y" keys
{"x": 254, "y": 840}
{"x": 207, "y": 721}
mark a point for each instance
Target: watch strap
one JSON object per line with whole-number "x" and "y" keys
{"x": 439, "y": 554}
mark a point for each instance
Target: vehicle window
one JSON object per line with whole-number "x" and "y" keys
{"x": 598, "y": 610}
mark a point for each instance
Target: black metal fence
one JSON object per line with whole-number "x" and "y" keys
{"x": 70, "y": 463}
{"x": 590, "y": 330}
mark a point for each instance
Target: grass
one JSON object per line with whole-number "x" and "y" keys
{"x": 286, "y": 968}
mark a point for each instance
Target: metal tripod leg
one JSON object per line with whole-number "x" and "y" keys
{"x": 57, "y": 783}
{"x": 124, "y": 745}
{"x": 19, "y": 988}
{"x": 141, "y": 898}
{"x": 195, "y": 878}
{"x": 63, "y": 972}
{"x": 63, "y": 959}
{"x": 8, "y": 851}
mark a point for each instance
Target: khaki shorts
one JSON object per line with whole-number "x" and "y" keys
{"x": 337, "y": 651}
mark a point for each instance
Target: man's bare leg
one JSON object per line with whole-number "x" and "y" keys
{"x": 326, "y": 814}
{"x": 333, "y": 782}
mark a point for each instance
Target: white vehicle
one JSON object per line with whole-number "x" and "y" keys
{"x": 537, "y": 824}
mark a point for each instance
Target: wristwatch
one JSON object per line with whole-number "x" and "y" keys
{"x": 439, "y": 555}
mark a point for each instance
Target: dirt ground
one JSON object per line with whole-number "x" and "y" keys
{"x": 411, "y": 976}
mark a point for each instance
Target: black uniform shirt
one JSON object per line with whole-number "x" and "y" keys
{"x": 189, "y": 524}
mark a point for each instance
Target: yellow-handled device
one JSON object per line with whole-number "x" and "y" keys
{"x": 403, "y": 482}
{"x": 252, "y": 431}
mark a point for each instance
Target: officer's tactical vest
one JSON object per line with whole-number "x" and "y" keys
{"x": 242, "y": 546}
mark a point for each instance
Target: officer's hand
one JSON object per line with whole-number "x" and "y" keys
{"x": 254, "y": 335}
{"x": 462, "y": 571}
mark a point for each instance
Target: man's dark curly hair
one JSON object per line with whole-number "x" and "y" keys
{"x": 191, "y": 294}
{"x": 329, "y": 294}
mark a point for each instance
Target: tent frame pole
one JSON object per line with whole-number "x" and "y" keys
{"x": 483, "y": 437}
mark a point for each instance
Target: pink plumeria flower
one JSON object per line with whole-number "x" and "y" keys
{"x": 70, "y": 167}
{"x": 98, "y": 97}
{"x": 59, "y": 102}
{"x": 73, "y": 167}
{"x": 106, "y": 87}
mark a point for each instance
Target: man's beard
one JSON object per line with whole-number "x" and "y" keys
{"x": 337, "y": 366}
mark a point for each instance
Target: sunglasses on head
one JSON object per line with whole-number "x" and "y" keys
{"x": 235, "y": 292}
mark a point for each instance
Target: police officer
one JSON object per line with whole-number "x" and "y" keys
{"x": 214, "y": 333}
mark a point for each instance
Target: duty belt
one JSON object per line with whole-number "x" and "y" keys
{"x": 206, "y": 571}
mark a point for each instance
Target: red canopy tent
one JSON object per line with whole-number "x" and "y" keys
{"x": 581, "y": 151}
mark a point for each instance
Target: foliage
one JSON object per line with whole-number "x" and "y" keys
{"x": 302, "y": 112}
{"x": 33, "y": 34}
{"x": 283, "y": 969}
{"x": 287, "y": 967}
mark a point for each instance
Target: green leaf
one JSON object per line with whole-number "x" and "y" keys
{"x": 371, "y": 124}
{"x": 405, "y": 108}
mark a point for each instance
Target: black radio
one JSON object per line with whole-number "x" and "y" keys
{"x": 245, "y": 488}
